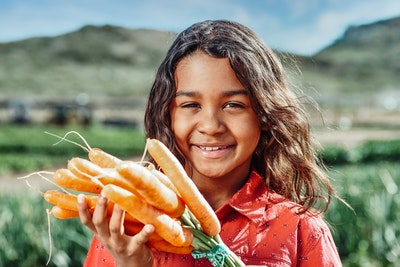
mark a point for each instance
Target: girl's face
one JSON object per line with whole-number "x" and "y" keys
{"x": 213, "y": 121}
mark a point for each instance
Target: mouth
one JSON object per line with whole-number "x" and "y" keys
{"x": 212, "y": 148}
{"x": 214, "y": 151}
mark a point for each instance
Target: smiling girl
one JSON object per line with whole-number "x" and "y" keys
{"x": 221, "y": 105}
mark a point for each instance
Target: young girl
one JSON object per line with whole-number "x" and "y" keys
{"x": 221, "y": 104}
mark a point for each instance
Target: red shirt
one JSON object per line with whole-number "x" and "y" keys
{"x": 262, "y": 228}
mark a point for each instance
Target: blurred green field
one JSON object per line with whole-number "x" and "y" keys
{"x": 24, "y": 239}
{"x": 367, "y": 236}
{"x": 366, "y": 176}
{"x": 31, "y": 148}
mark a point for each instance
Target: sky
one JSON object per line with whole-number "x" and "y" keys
{"x": 297, "y": 26}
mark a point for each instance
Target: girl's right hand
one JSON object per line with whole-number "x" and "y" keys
{"x": 126, "y": 250}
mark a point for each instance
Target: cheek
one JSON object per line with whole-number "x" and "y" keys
{"x": 248, "y": 132}
{"x": 246, "y": 125}
{"x": 180, "y": 128}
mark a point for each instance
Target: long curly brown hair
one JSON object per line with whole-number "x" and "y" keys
{"x": 285, "y": 156}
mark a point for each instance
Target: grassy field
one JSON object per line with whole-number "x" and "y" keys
{"x": 366, "y": 176}
{"x": 368, "y": 234}
{"x": 24, "y": 232}
{"x": 26, "y": 148}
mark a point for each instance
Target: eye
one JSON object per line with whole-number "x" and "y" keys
{"x": 190, "y": 105}
{"x": 235, "y": 105}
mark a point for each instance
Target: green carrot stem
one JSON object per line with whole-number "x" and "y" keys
{"x": 208, "y": 244}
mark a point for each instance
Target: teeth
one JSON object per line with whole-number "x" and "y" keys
{"x": 210, "y": 148}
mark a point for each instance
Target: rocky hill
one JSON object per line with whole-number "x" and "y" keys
{"x": 105, "y": 60}
{"x": 115, "y": 61}
{"x": 366, "y": 59}
{"x": 378, "y": 34}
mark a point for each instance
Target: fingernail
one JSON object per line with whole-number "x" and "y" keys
{"x": 102, "y": 199}
{"x": 149, "y": 228}
{"x": 81, "y": 198}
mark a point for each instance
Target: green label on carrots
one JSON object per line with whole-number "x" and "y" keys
{"x": 216, "y": 255}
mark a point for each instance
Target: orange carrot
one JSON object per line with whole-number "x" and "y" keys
{"x": 165, "y": 180}
{"x": 68, "y": 201}
{"x": 151, "y": 189}
{"x": 84, "y": 168}
{"x": 186, "y": 187}
{"x": 61, "y": 213}
{"x": 156, "y": 241}
{"x": 132, "y": 177}
{"x": 103, "y": 159}
{"x": 168, "y": 228}
{"x": 133, "y": 228}
{"x": 112, "y": 176}
{"x": 88, "y": 170}
{"x": 130, "y": 228}
{"x": 65, "y": 178}
{"x": 163, "y": 245}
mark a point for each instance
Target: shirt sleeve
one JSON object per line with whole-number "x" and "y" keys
{"x": 316, "y": 245}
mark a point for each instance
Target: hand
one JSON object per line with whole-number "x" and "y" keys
{"x": 126, "y": 250}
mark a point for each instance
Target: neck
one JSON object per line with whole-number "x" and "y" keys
{"x": 218, "y": 191}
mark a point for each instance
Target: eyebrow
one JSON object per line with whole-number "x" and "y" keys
{"x": 225, "y": 93}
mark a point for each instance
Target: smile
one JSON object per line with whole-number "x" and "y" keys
{"x": 210, "y": 148}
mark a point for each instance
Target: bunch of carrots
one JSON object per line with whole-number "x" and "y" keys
{"x": 184, "y": 221}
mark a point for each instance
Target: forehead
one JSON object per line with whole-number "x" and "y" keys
{"x": 201, "y": 70}
{"x": 200, "y": 60}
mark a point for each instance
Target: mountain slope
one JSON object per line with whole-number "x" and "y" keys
{"x": 365, "y": 59}
{"x": 109, "y": 60}
{"x": 105, "y": 59}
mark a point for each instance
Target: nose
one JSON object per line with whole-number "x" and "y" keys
{"x": 210, "y": 121}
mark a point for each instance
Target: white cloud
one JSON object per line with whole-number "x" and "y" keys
{"x": 330, "y": 24}
{"x": 299, "y": 9}
{"x": 325, "y": 22}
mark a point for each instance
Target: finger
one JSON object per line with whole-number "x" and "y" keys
{"x": 84, "y": 213}
{"x": 143, "y": 236}
{"x": 99, "y": 218}
{"x": 116, "y": 223}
